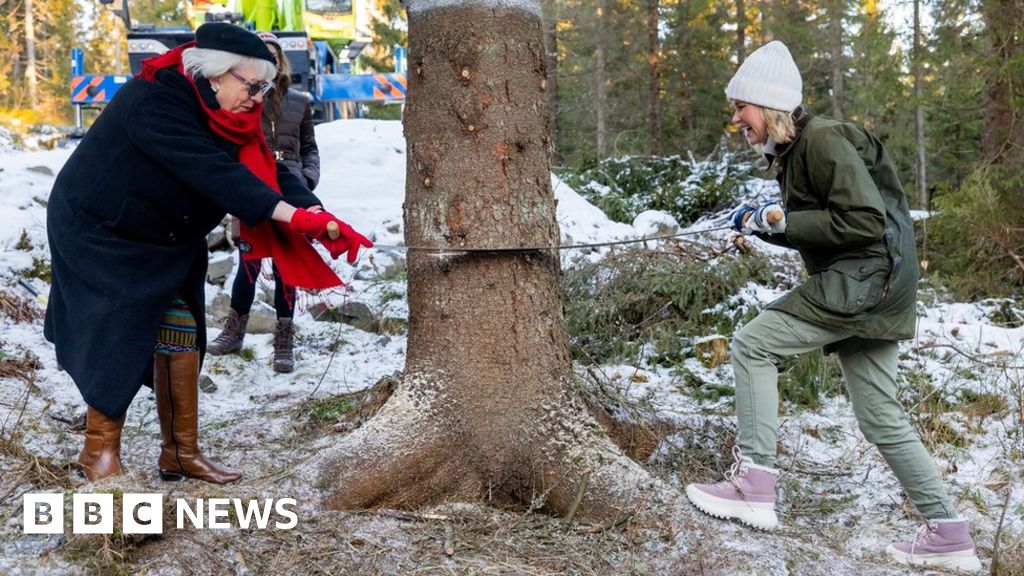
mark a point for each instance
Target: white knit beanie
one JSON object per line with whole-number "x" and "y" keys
{"x": 768, "y": 78}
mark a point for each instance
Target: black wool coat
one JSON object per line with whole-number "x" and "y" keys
{"x": 127, "y": 221}
{"x": 290, "y": 135}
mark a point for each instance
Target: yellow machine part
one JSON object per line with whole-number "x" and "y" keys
{"x": 331, "y": 20}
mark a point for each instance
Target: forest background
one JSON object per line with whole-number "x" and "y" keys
{"x": 941, "y": 82}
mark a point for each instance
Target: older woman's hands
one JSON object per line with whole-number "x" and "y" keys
{"x": 348, "y": 241}
{"x": 311, "y": 223}
{"x": 337, "y": 236}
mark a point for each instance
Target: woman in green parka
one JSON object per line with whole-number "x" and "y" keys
{"x": 844, "y": 210}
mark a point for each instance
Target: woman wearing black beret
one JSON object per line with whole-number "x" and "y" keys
{"x": 177, "y": 148}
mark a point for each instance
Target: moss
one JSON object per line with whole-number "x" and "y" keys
{"x": 40, "y": 269}
{"x": 329, "y": 410}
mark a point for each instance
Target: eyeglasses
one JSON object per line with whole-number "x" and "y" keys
{"x": 260, "y": 88}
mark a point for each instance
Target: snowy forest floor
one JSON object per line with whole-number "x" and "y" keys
{"x": 838, "y": 499}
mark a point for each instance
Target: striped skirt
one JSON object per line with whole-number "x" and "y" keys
{"x": 177, "y": 331}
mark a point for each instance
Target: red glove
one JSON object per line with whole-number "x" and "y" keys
{"x": 311, "y": 223}
{"x": 348, "y": 241}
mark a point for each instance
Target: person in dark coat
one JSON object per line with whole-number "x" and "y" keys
{"x": 844, "y": 210}
{"x": 288, "y": 127}
{"x": 176, "y": 148}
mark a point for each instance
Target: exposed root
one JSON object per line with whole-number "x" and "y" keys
{"x": 410, "y": 455}
{"x": 636, "y": 439}
{"x": 614, "y": 488}
{"x": 398, "y": 459}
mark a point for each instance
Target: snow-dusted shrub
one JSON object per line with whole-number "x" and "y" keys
{"x": 656, "y": 302}
{"x": 686, "y": 188}
{"x": 8, "y": 141}
{"x": 975, "y": 240}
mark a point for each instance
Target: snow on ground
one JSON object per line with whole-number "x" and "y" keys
{"x": 959, "y": 346}
{"x": 7, "y": 142}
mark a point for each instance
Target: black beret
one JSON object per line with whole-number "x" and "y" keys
{"x": 234, "y": 39}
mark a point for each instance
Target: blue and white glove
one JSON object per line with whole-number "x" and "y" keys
{"x": 769, "y": 218}
{"x": 741, "y": 217}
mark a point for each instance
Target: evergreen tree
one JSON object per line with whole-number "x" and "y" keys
{"x": 877, "y": 86}
{"x": 698, "y": 65}
{"x": 105, "y": 42}
{"x": 1003, "y": 136}
{"x": 159, "y": 12}
{"x": 953, "y": 121}
{"x": 388, "y": 30}
{"x": 576, "y": 90}
{"x": 10, "y": 51}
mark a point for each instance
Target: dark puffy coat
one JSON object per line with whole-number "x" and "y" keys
{"x": 290, "y": 135}
{"x": 127, "y": 221}
{"x": 848, "y": 216}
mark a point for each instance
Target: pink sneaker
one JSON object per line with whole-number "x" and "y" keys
{"x": 942, "y": 543}
{"x": 747, "y": 494}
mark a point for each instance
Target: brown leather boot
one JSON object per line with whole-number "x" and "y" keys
{"x": 176, "y": 385}
{"x": 284, "y": 333}
{"x": 230, "y": 339}
{"x": 101, "y": 456}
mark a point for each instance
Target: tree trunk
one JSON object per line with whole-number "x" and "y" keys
{"x": 551, "y": 49}
{"x": 837, "y": 58}
{"x": 741, "y": 31}
{"x": 923, "y": 196}
{"x": 1002, "y": 138}
{"x": 30, "y": 55}
{"x": 601, "y": 99}
{"x": 486, "y": 408}
{"x": 654, "y": 86}
{"x": 766, "y": 22}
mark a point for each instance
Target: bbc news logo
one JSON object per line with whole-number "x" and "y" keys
{"x": 144, "y": 513}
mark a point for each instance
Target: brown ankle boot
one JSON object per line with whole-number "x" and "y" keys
{"x": 230, "y": 339}
{"x": 284, "y": 333}
{"x": 176, "y": 385}
{"x": 101, "y": 456}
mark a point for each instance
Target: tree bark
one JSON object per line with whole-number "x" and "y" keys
{"x": 766, "y": 22}
{"x": 551, "y": 50}
{"x": 741, "y": 30}
{"x": 487, "y": 408}
{"x": 601, "y": 98}
{"x": 654, "y": 86}
{"x": 837, "y": 58}
{"x": 1003, "y": 130}
{"x": 923, "y": 195}
{"x": 30, "y": 55}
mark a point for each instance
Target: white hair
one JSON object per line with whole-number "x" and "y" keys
{"x": 212, "y": 63}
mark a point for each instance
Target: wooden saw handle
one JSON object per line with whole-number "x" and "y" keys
{"x": 333, "y": 231}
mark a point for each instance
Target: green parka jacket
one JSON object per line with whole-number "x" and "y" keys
{"x": 848, "y": 216}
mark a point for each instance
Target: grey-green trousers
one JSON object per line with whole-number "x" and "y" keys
{"x": 869, "y": 368}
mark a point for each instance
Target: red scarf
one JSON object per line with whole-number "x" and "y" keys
{"x": 297, "y": 261}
